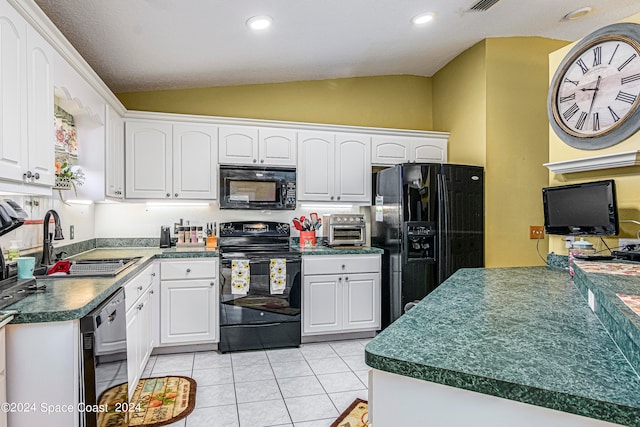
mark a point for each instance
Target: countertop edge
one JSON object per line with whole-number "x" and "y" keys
{"x": 565, "y": 402}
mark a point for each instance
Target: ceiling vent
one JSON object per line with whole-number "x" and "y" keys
{"x": 483, "y": 5}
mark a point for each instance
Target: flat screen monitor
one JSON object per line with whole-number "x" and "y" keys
{"x": 581, "y": 209}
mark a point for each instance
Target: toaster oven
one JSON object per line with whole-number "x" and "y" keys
{"x": 344, "y": 229}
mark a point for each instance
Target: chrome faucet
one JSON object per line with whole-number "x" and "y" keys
{"x": 46, "y": 244}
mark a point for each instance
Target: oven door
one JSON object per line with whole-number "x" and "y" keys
{"x": 346, "y": 235}
{"x": 260, "y": 319}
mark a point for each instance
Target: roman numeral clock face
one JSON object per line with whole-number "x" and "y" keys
{"x": 595, "y": 94}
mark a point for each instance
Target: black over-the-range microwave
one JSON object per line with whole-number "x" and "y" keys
{"x": 252, "y": 187}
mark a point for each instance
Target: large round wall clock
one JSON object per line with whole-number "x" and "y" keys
{"x": 594, "y": 96}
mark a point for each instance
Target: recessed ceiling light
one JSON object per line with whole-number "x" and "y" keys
{"x": 422, "y": 19}
{"x": 259, "y": 22}
{"x": 578, "y": 13}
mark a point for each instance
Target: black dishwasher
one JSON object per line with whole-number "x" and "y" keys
{"x": 104, "y": 359}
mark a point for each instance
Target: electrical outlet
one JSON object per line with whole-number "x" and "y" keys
{"x": 623, "y": 244}
{"x": 72, "y": 232}
{"x": 536, "y": 232}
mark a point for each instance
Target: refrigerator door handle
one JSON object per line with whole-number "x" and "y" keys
{"x": 443, "y": 226}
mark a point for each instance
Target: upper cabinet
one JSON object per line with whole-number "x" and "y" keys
{"x": 114, "y": 154}
{"x": 26, "y": 105}
{"x": 257, "y": 145}
{"x": 170, "y": 160}
{"x": 335, "y": 167}
{"x": 392, "y": 150}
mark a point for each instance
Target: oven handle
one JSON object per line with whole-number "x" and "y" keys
{"x": 253, "y": 325}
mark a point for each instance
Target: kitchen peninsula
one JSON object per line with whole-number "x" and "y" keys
{"x": 502, "y": 347}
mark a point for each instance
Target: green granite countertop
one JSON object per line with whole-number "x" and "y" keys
{"x": 525, "y": 334}
{"x": 320, "y": 249}
{"x": 72, "y": 298}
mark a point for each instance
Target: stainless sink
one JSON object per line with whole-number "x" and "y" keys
{"x": 106, "y": 267}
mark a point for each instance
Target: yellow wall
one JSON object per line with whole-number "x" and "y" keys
{"x": 459, "y": 105}
{"x": 627, "y": 179}
{"x": 492, "y": 98}
{"x": 402, "y": 101}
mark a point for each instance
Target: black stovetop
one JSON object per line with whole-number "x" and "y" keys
{"x": 13, "y": 290}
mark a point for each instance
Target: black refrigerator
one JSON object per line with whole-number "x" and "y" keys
{"x": 429, "y": 219}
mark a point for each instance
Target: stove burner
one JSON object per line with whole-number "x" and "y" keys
{"x": 13, "y": 290}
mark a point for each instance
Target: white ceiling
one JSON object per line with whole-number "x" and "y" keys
{"x": 137, "y": 45}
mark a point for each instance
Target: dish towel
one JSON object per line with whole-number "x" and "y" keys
{"x": 278, "y": 275}
{"x": 240, "y": 276}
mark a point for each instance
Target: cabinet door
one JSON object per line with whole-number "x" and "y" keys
{"x": 145, "y": 336}
{"x": 40, "y": 109}
{"x": 195, "y": 161}
{"x": 353, "y": 174}
{"x": 322, "y": 308}
{"x": 361, "y": 293}
{"x": 390, "y": 150}
{"x": 114, "y": 154}
{"x": 189, "y": 311}
{"x": 133, "y": 349}
{"x": 238, "y": 145}
{"x": 277, "y": 147}
{"x": 316, "y": 174}
{"x": 13, "y": 107}
{"x": 148, "y": 159}
{"x": 429, "y": 150}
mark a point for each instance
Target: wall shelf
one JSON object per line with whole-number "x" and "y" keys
{"x": 607, "y": 161}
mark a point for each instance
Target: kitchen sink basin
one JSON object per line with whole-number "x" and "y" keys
{"x": 106, "y": 267}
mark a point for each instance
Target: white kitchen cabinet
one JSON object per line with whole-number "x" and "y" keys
{"x": 26, "y": 105}
{"x": 140, "y": 317}
{"x": 337, "y": 167}
{"x": 114, "y": 154}
{"x": 393, "y": 150}
{"x": 170, "y": 160}
{"x": 257, "y": 145}
{"x": 189, "y": 302}
{"x": 195, "y": 161}
{"x": 340, "y": 294}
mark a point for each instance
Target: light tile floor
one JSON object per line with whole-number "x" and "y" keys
{"x": 296, "y": 387}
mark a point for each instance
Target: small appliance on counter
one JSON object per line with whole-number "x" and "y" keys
{"x": 344, "y": 229}
{"x": 165, "y": 236}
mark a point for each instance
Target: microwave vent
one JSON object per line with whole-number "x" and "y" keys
{"x": 483, "y": 5}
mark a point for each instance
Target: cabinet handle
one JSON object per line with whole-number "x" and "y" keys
{"x": 339, "y": 279}
{"x": 175, "y": 195}
{"x": 346, "y": 279}
{"x": 254, "y": 160}
{"x": 36, "y": 175}
{"x": 140, "y": 306}
{"x": 212, "y": 284}
{"x": 153, "y": 274}
{"x": 331, "y": 197}
{"x": 262, "y": 161}
{"x": 343, "y": 266}
{"x": 188, "y": 270}
{"x": 338, "y": 197}
{"x": 151, "y": 292}
{"x": 27, "y": 174}
{"x": 139, "y": 288}
{"x": 168, "y": 194}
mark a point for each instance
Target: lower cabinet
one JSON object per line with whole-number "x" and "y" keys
{"x": 189, "y": 300}
{"x": 340, "y": 294}
{"x": 140, "y": 319}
